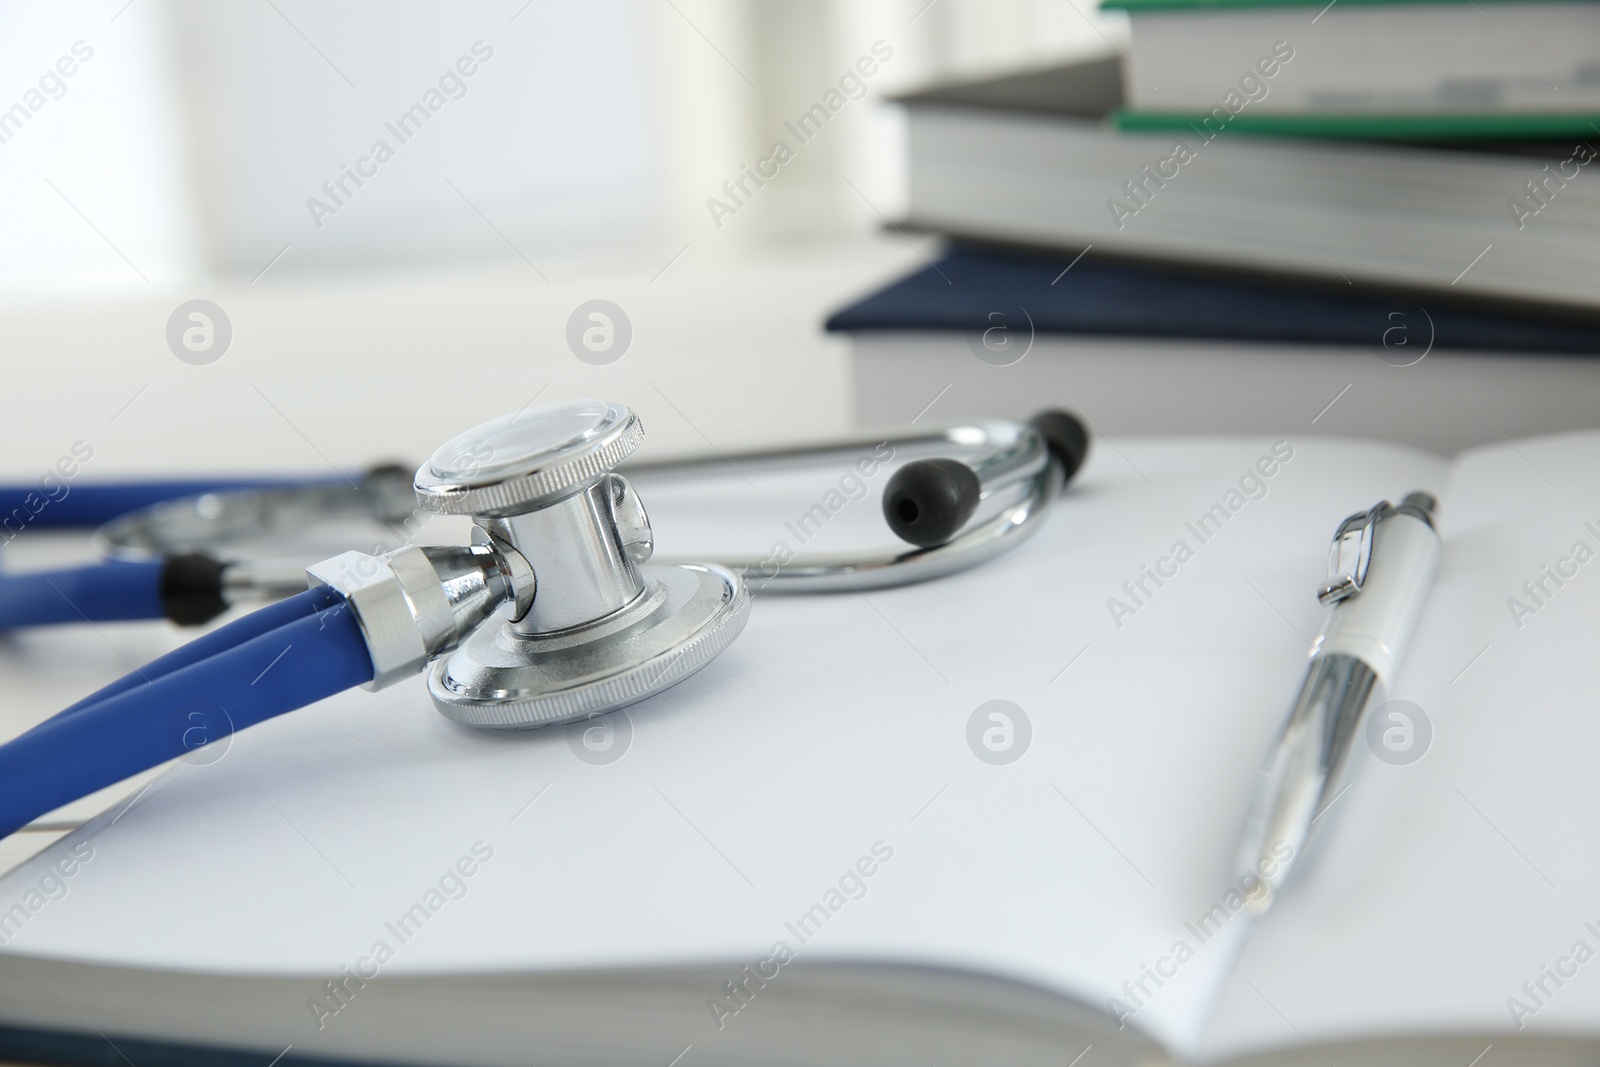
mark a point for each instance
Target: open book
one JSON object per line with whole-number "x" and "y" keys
{"x": 986, "y": 819}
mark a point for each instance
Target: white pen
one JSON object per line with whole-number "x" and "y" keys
{"x": 1380, "y": 569}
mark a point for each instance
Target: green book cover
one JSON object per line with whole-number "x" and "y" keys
{"x": 1378, "y": 127}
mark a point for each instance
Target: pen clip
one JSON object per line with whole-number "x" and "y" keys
{"x": 1351, "y": 554}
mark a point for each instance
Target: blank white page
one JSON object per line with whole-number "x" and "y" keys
{"x": 834, "y": 723}
{"x": 1450, "y": 881}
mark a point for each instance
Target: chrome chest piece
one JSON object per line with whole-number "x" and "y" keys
{"x": 588, "y": 625}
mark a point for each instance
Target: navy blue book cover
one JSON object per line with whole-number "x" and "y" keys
{"x": 969, "y": 287}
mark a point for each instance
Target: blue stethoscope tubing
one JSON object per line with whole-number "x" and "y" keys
{"x": 269, "y": 662}
{"x": 30, "y": 507}
{"x": 103, "y": 592}
{"x": 183, "y": 588}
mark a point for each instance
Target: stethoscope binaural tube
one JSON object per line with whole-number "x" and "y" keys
{"x": 164, "y": 542}
{"x": 35, "y": 507}
{"x": 216, "y": 521}
{"x": 188, "y": 589}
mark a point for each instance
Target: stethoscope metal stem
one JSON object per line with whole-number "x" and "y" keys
{"x": 1008, "y": 459}
{"x": 889, "y": 567}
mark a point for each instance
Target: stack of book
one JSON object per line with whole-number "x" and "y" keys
{"x": 1356, "y": 178}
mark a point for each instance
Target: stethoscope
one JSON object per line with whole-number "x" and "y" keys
{"x": 180, "y": 549}
{"x": 556, "y": 610}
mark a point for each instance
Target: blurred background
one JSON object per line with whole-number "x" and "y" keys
{"x": 196, "y": 133}
{"x": 198, "y": 153}
{"x": 401, "y": 216}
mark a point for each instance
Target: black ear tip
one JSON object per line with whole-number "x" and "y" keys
{"x": 928, "y": 500}
{"x": 1066, "y": 436}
